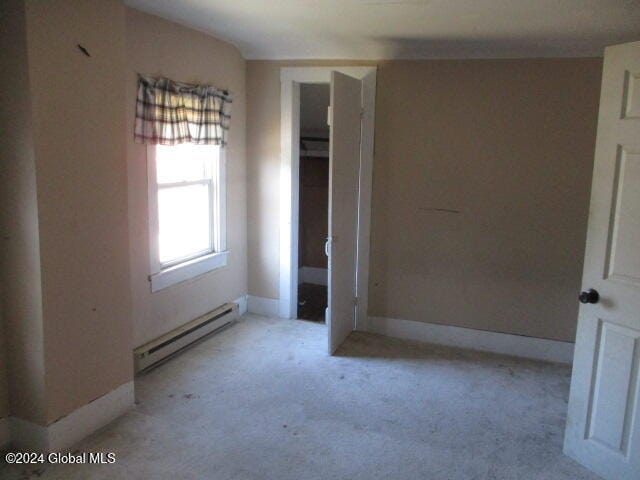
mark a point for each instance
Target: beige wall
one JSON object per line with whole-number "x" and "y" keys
{"x": 20, "y": 252}
{"x": 159, "y": 48}
{"x": 66, "y": 279}
{"x": 79, "y": 138}
{"x": 506, "y": 143}
{"x": 263, "y": 178}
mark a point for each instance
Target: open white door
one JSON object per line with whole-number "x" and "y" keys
{"x": 603, "y": 422}
{"x": 344, "y": 170}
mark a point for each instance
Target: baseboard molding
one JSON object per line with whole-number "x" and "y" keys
{"x": 28, "y": 436}
{"x": 242, "y": 304}
{"x": 69, "y": 430}
{"x": 4, "y": 433}
{"x": 313, "y": 275}
{"x": 269, "y": 307}
{"x": 503, "y": 343}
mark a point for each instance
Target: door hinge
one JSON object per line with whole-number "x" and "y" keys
{"x": 355, "y": 301}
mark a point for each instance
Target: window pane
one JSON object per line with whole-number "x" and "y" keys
{"x": 184, "y": 218}
{"x": 184, "y": 162}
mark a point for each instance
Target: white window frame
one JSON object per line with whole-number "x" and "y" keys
{"x": 176, "y": 271}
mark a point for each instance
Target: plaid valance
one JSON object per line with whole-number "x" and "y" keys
{"x": 169, "y": 113}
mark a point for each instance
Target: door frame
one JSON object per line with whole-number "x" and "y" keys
{"x": 290, "y": 80}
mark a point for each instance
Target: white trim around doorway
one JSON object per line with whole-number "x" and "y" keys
{"x": 291, "y": 78}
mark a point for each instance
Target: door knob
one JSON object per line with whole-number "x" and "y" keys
{"x": 590, "y": 296}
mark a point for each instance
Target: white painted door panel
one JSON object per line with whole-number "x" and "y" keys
{"x": 344, "y": 169}
{"x": 603, "y": 428}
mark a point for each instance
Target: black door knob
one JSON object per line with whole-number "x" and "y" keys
{"x": 590, "y": 296}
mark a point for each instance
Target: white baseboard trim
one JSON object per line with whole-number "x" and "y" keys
{"x": 67, "y": 431}
{"x": 4, "y": 433}
{"x": 503, "y": 343}
{"x": 268, "y": 307}
{"x": 28, "y": 436}
{"x": 242, "y": 304}
{"x": 313, "y": 275}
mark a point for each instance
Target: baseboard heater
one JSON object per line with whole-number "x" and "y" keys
{"x": 169, "y": 344}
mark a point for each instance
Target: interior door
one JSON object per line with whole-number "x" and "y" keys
{"x": 344, "y": 169}
{"x": 603, "y": 421}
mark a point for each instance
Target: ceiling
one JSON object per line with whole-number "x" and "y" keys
{"x": 386, "y": 29}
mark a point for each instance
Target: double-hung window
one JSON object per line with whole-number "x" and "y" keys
{"x": 187, "y": 217}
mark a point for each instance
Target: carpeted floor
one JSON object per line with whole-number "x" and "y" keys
{"x": 263, "y": 400}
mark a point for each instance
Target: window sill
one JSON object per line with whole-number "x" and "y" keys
{"x": 187, "y": 270}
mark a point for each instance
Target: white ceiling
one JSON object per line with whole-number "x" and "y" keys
{"x": 385, "y": 29}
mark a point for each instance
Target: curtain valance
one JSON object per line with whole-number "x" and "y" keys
{"x": 169, "y": 113}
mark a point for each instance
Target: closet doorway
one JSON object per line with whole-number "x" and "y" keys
{"x": 313, "y": 197}
{"x": 351, "y": 125}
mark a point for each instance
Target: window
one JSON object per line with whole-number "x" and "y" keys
{"x": 187, "y": 212}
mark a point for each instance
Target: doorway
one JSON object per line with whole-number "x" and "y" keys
{"x": 313, "y": 194}
{"x": 355, "y": 102}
